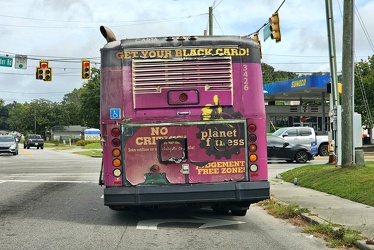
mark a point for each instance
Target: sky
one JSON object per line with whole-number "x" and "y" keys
{"x": 64, "y": 32}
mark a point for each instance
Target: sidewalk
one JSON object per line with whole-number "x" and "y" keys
{"x": 328, "y": 207}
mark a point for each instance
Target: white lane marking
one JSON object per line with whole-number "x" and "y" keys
{"x": 207, "y": 222}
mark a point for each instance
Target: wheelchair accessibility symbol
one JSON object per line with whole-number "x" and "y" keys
{"x": 115, "y": 113}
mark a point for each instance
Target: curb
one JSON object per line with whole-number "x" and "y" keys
{"x": 314, "y": 219}
{"x": 361, "y": 244}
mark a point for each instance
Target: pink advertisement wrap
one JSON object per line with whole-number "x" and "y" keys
{"x": 214, "y": 153}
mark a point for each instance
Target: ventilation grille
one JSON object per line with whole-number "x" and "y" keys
{"x": 151, "y": 76}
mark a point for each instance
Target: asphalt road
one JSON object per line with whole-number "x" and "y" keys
{"x": 50, "y": 199}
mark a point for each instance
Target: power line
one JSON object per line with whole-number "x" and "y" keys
{"x": 112, "y": 24}
{"x": 41, "y": 93}
{"x": 364, "y": 28}
{"x": 214, "y": 4}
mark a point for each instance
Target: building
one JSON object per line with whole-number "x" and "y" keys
{"x": 293, "y": 93}
{"x": 61, "y": 133}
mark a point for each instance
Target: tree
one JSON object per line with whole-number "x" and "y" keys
{"x": 364, "y": 90}
{"x": 3, "y": 115}
{"x": 90, "y": 100}
{"x": 36, "y": 116}
{"x": 270, "y": 75}
{"x": 21, "y": 118}
{"x": 71, "y": 103}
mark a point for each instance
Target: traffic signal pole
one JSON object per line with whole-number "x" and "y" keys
{"x": 335, "y": 143}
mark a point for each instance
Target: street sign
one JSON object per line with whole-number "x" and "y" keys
{"x": 6, "y": 61}
{"x": 267, "y": 32}
{"x": 20, "y": 62}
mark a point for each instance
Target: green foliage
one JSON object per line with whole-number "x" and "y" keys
{"x": 72, "y": 104}
{"x": 354, "y": 183}
{"x": 4, "y": 113}
{"x": 283, "y": 211}
{"x": 270, "y": 75}
{"x": 335, "y": 236}
{"x": 92, "y": 145}
{"x": 92, "y": 153}
{"x": 80, "y": 107}
{"x": 90, "y": 100}
{"x": 364, "y": 90}
{"x": 86, "y": 142}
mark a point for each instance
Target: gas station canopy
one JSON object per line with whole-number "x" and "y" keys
{"x": 303, "y": 88}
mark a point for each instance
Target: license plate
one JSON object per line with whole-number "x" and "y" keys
{"x": 36, "y": 143}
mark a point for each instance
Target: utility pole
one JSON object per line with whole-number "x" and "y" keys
{"x": 348, "y": 150}
{"x": 210, "y": 21}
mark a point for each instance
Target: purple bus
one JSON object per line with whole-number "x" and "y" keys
{"x": 182, "y": 121}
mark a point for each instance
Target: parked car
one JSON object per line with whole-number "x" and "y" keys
{"x": 8, "y": 144}
{"x": 279, "y": 149}
{"x": 33, "y": 140}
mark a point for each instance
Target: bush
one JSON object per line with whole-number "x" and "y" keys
{"x": 74, "y": 140}
{"x": 84, "y": 142}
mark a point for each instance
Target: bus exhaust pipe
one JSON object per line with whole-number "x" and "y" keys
{"x": 107, "y": 34}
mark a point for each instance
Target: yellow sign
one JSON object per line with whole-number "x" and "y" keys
{"x": 222, "y": 167}
{"x": 169, "y": 53}
{"x": 298, "y": 83}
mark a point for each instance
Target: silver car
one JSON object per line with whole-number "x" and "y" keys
{"x": 8, "y": 144}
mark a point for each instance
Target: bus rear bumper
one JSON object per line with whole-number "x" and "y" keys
{"x": 225, "y": 192}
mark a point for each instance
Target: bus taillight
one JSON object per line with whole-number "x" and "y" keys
{"x": 117, "y": 172}
{"x": 116, "y": 142}
{"x": 252, "y": 148}
{"x": 252, "y": 137}
{"x": 115, "y": 132}
{"x": 251, "y": 128}
{"x": 253, "y": 168}
{"x": 253, "y": 157}
{"x": 116, "y": 152}
{"x": 116, "y": 162}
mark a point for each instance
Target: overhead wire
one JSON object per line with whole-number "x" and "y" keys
{"x": 113, "y": 24}
{"x": 264, "y": 25}
{"x": 359, "y": 76}
{"x": 364, "y": 28}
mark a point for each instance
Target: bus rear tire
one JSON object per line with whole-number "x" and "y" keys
{"x": 119, "y": 208}
{"x": 239, "y": 212}
{"x": 219, "y": 209}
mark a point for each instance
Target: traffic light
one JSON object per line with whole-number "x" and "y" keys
{"x": 86, "y": 69}
{"x": 275, "y": 27}
{"x": 48, "y": 74}
{"x": 257, "y": 39}
{"x": 44, "y": 72}
{"x": 39, "y": 73}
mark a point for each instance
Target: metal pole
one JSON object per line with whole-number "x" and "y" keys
{"x": 323, "y": 114}
{"x": 347, "y": 82}
{"x": 334, "y": 101}
{"x": 210, "y": 21}
{"x": 332, "y": 52}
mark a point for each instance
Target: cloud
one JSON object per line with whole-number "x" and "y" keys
{"x": 66, "y": 31}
